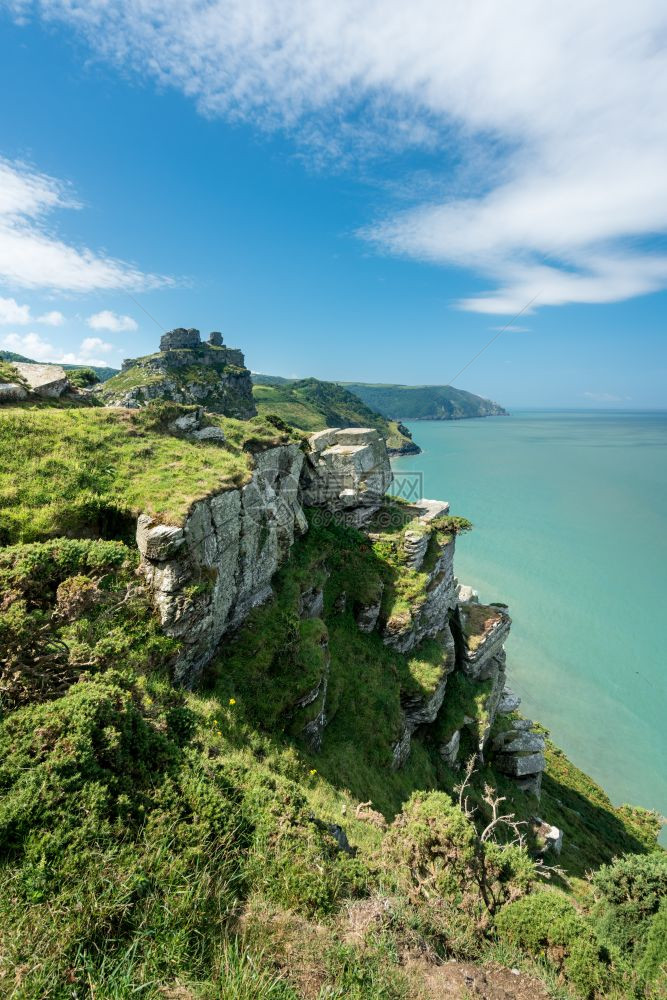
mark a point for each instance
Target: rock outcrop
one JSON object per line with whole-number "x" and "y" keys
{"x": 426, "y": 617}
{"x": 47, "y": 381}
{"x": 205, "y": 576}
{"x": 347, "y": 472}
{"x": 185, "y": 370}
{"x": 419, "y": 708}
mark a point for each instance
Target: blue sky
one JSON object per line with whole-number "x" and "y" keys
{"x": 368, "y": 193}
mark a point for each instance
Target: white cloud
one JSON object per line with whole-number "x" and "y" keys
{"x": 53, "y": 318}
{"x": 107, "y": 320}
{"x": 552, "y": 113}
{"x": 12, "y": 314}
{"x": 31, "y": 256}
{"x": 33, "y": 346}
{"x": 91, "y": 344}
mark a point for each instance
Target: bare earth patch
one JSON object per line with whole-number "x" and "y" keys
{"x": 474, "y": 982}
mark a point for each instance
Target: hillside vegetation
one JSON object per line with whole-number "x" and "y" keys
{"x": 312, "y": 405}
{"x": 189, "y": 845}
{"x": 424, "y": 402}
{"x": 79, "y": 470}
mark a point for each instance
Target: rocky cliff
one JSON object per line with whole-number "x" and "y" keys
{"x": 185, "y": 370}
{"x": 206, "y": 576}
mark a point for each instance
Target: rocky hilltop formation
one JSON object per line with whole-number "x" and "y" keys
{"x": 185, "y": 370}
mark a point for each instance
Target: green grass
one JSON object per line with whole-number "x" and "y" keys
{"x": 312, "y": 405}
{"x": 169, "y": 844}
{"x": 423, "y": 402}
{"x": 77, "y": 470}
{"x": 8, "y": 373}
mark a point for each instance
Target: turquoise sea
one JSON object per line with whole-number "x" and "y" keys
{"x": 570, "y": 516}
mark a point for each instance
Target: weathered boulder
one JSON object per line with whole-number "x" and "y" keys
{"x": 347, "y": 471}
{"x": 12, "y": 392}
{"x": 311, "y": 602}
{"x": 520, "y": 765}
{"x": 48, "y": 381}
{"x": 209, "y": 434}
{"x": 509, "y": 702}
{"x": 206, "y": 576}
{"x": 466, "y": 595}
{"x": 551, "y": 837}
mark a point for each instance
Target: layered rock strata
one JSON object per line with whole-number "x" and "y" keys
{"x": 206, "y": 576}
{"x": 347, "y": 472}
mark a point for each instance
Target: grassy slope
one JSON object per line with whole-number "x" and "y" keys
{"x": 423, "y": 402}
{"x": 162, "y": 843}
{"x": 313, "y": 405}
{"x": 65, "y": 470}
{"x": 176, "y": 843}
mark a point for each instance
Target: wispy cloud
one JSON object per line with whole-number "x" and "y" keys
{"x": 31, "y": 256}
{"x": 511, "y": 328}
{"x": 561, "y": 104}
{"x": 111, "y": 321}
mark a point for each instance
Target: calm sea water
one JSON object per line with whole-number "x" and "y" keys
{"x": 570, "y": 515}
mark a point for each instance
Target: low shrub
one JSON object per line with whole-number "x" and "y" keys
{"x": 546, "y": 925}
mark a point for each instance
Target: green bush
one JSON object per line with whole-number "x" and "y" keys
{"x": 546, "y": 925}
{"x": 628, "y": 894}
{"x": 653, "y": 965}
{"x": 440, "y": 861}
{"x": 83, "y": 377}
{"x": 294, "y": 860}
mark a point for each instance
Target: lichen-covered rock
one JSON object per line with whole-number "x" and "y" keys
{"x": 427, "y": 618}
{"x": 550, "y": 837}
{"x": 481, "y": 634}
{"x": 519, "y": 765}
{"x": 311, "y": 603}
{"x": 347, "y": 472}
{"x": 509, "y": 702}
{"x": 206, "y": 576}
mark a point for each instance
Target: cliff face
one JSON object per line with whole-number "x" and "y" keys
{"x": 185, "y": 370}
{"x": 206, "y": 577}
